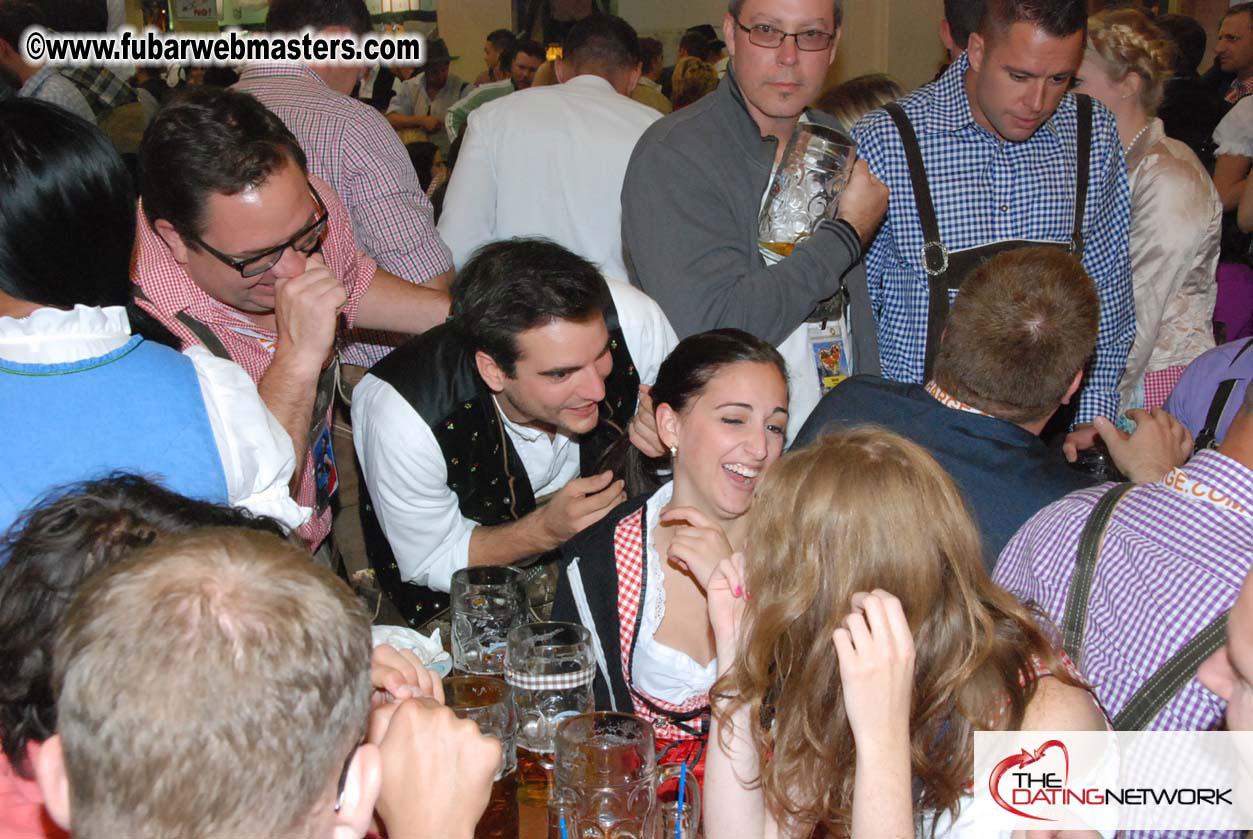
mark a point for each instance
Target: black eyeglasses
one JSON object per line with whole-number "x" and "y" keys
{"x": 765, "y": 35}
{"x": 343, "y": 779}
{"x": 306, "y": 241}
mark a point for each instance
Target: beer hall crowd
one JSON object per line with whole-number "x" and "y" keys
{"x": 570, "y": 394}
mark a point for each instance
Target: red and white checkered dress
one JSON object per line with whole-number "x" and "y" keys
{"x": 1159, "y": 384}
{"x": 628, "y": 544}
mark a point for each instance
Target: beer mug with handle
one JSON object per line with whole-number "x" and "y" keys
{"x": 487, "y": 602}
{"x": 487, "y": 700}
{"x": 806, "y": 186}
{"x": 607, "y": 779}
{"x": 549, "y": 667}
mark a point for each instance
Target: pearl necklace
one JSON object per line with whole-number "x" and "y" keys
{"x": 1138, "y": 135}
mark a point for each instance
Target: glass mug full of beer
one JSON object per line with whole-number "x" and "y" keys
{"x": 806, "y": 186}
{"x": 487, "y": 700}
{"x": 487, "y": 602}
{"x": 549, "y": 667}
{"x": 607, "y": 778}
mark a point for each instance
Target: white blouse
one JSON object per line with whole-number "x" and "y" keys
{"x": 662, "y": 672}
{"x": 1234, "y": 132}
{"x": 257, "y": 456}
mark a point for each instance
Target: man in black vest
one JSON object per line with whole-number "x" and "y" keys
{"x": 480, "y": 443}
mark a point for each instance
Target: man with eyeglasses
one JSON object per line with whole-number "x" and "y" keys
{"x": 697, "y": 180}
{"x": 996, "y": 155}
{"x": 242, "y": 250}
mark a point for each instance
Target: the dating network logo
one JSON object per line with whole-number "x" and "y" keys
{"x": 1038, "y": 785}
{"x": 1113, "y": 780}
{"x": 1022, "y": 781}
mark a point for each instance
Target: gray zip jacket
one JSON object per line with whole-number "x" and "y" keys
{"x": 690, "y": 203}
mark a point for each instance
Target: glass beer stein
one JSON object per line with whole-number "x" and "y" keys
{"x": 550, "y": 668}
{"x": 487, "y": 602}
{"x": 607, "y": 776}
{"x": 488, "y": 702}
{"x": 806, "y": 186}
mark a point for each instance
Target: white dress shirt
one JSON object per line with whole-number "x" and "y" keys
{"x": 404, "y": 469}
{"x": 412, "y": 99}
{"x": 257, "y": 456}
{"x": 546, "y": 161}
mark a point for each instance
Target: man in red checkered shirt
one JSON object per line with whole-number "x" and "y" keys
{"x": 240, "y": 249}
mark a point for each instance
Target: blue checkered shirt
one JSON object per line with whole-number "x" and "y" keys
{"x": 985, "y": 190}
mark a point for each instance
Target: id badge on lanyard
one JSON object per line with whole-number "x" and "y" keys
{"x": 828, "y": 346}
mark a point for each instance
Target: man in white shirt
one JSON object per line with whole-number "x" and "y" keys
{"x": 422, "y": 100}
{"x": 463, "y": 433}
{"x": 549, "y": 161}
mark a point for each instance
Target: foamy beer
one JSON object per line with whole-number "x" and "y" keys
{"x": 487, "y": 701}
{"x": 606, "y": 781}
{"x": 550, "y": 668}
{"x": 806, "y": 187}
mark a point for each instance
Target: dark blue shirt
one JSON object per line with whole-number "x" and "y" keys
{"x": 1005, "y": 472}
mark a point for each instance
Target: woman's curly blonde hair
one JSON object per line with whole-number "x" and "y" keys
{"x": 693, "y": 79}
{"x": 855, "y": 511}
{"x": 1126, "y": 41}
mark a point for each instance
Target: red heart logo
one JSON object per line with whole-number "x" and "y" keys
{"x": 1025, "y": 758}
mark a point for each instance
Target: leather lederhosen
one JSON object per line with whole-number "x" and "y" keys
{"x": 947, "y": 269}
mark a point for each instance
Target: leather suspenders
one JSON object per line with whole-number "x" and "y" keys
{"x": 1160, "y": 688}
{"x": 947, "y": 269}
{"x": 1206, "y": 438}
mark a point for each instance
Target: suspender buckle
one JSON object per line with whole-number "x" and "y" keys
{"x": 934, "y": 258}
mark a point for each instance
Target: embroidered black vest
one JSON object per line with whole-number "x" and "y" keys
{"x": 484, "y": 470}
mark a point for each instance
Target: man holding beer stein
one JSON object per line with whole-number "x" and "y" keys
{"x": 700, "y": 191}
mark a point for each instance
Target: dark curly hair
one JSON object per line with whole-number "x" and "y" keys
{"x": 48, "y": 552}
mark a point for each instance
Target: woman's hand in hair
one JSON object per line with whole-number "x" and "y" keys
{"x": 875, "y": 649}
{"x": 697, "y": 543}
{"x": 727, "y": 595}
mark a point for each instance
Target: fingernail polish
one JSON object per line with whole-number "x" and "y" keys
{"x": 738, "y": 591}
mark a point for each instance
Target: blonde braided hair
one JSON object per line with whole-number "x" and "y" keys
{"x": 1126, "y": 41}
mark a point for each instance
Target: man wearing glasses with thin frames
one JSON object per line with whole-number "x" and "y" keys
{"x": 242, "y": 250}
{"x": 696, "y": 182}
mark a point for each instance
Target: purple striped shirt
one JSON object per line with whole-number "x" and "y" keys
{"x": 353, "y": 148}
{"x": 1168, "y": 566}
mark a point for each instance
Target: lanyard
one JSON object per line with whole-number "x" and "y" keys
{"x": 1178, "y": 481}
{"x": 952, "y": 402}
